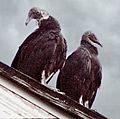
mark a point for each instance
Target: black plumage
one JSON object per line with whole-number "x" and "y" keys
{"x": 81, "y": 75}
{"x": 44, "y": 50}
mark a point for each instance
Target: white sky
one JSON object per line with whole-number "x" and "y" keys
{"x": 75, "y": 17}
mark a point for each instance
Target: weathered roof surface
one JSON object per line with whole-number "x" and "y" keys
{"x": 22, "y": 96}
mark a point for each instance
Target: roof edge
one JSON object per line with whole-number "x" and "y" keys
{"x": 52, "y": 96}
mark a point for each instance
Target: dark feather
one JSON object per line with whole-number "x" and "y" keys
{"x": 81, "y": 75}
{"x": 73, "y": 75}
{"x": 44, "y": 49}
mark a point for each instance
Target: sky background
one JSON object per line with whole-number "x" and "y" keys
{"x": 75, "y": 17}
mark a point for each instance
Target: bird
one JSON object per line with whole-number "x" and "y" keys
{"x": 81, "y": 76}
{"x": 43, "y": 52}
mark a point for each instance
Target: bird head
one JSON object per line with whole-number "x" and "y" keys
{"x": 37, "y": 14}
{"x": 91, "y": 38}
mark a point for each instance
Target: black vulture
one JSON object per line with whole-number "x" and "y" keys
{"x": 81, "y": 76}
{"x": 44, "y": 51}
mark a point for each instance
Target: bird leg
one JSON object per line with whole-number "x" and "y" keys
{"x": 50, "y": 77}
{"x": 43, "y": 80}
{"x": 87, "y": 104}
{"x": 80, "y": 100}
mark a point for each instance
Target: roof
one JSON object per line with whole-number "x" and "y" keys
{"x": 36, "y": 99}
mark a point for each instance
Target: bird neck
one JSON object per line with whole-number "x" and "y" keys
{"x": 49, "y": 24}
{"x": 92, "y": 49}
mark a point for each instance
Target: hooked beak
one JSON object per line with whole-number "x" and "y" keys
{"x": 99, "y": 43}
{"x": 96, "y": 41}
{"x": 28, "y": 20}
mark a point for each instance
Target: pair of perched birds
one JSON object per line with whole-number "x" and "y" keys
{"x": 43, "y": 53}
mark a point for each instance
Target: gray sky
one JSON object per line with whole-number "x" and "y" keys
{"x": 75, "y": 17}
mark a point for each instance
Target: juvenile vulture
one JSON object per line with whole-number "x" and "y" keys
{"x": 44, "y": 51}
{"x": 81, "y": 76}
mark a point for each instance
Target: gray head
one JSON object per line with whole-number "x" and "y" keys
{"x": 91, "y": 38}
{"x": 37, "y": 14}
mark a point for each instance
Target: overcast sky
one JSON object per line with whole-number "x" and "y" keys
{"x": 75, "y": 17}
